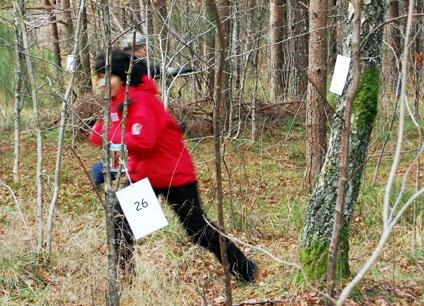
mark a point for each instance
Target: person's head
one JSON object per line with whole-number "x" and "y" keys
{"x": 139, "y": 46}
{"x": 119, "y": 66}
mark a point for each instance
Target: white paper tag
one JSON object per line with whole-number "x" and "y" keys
{"x": 141, "y": 208}
{"x": 70, "y": 63}
{"x": 341, "y": 71}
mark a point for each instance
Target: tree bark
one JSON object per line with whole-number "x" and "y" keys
{"x": 224, "y": 13}
{"x": 299, "y": 32}
{"x": 209, "y": 52}
{"x": 344, "y": 154}
{"x": 159, "y": 17}
{"x": 68, "y": 25}
{"x": 276, "y": 23}
{"x": 316, "y": 118}
{"x": 110, "y": 197}
{"x": 84, "y": 55}
{"x": 82, "y": 63}
{"x": 217, "y": 123}
{"x": 392, "y": 47}
{"x": 20, "y": 8}
{"x": 55, "y": 34}
{"x": 19, "y": 58}
{"x": 332, "y": 33}
{"x": 319, "y": 220}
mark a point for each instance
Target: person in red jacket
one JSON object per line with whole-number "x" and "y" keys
{"x": 156, "y": 150}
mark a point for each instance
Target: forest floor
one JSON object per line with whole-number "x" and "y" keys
{"x": 265, "y": 204}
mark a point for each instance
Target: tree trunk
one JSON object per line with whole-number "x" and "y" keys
{"x": 84, "y": 55}
{"x": 316, "y": 119}
{"x": 392, "y": 48}
{"x": 67, "y": 101}
{"x": 160, "y": 27}
{"x": 332, "y": 33}
{"x": 224, "y": 13}
{"x": 68, "y": 25}
{"x": 159, "y": 17}
{"x": 344, "y": 154}
{"x": 55, "y": 34}
{"x": 319, "y": 220}
{"x": 82, "y": 66}
{"x": 35, "y": 106}
{"x": 299, "y": 30}
{"x": 276, "y": 23}
{"x": 235, "y": 64}
{"x": 110, "y": 197}
{"x": 19, "y": 58}
{"x": 217, "y": 123}
{"x": 209, "y": 52}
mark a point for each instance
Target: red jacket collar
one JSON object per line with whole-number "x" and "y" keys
{"x": 147, "y": 85}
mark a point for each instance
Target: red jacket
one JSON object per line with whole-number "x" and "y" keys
{"x": 153, "y": 137}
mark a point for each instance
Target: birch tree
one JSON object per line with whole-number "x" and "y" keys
{"x": 19, "y": 58}
{"x": 66, "y": 103}
{"x": 20, "y": 9}
{"x": 110, "y": 198}
{"x": 393, "y": 210}
{"x": 319, "y": 219}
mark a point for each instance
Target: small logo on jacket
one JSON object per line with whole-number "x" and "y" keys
{"x": 136, "y": 129}
{"x": 114, "y": 117}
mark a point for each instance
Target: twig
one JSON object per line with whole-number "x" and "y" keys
{"x": 67, "y": 102}
{"x": 277, "y": 259}
{"x": 266, "y": 303}
{"x": 88, "y": 174}
{"x": 386, "y": 22}
{"x": 396, "y": 159}
{"x": 17, "y": 204}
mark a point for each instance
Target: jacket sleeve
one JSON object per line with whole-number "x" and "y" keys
{"x": 96, "y": 133}
{"x": 141, "y": 132}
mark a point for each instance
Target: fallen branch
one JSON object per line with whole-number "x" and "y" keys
{"x": 277, "y": 259}
{"x": 265, "y": 303}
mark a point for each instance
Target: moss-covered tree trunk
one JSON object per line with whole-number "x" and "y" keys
{"x": 319, "y": 220}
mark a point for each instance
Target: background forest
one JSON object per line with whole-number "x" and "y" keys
{"x": 324, "y": 191}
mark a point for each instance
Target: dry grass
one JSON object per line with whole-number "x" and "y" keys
{"x": 265, "y": 204}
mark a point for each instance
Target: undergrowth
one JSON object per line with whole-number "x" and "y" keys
{"x": 265, "y": 203}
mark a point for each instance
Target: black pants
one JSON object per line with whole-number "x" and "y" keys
{"x": 185, "y": 202}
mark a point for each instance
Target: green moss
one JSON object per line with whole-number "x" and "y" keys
{"x": 314, "y": 257}
{"x": 364, "y": 108}
{"x": 332, "y": 98}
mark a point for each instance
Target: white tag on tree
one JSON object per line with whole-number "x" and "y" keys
{"x": 341, "y": 71}
{"x": 70, "y": 63}
{"x": 141, "y": 208}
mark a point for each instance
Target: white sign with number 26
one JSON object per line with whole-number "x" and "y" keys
{"x": 141, "y": 208}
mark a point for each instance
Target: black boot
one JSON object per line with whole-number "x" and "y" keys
{"x": 245, "y": 271}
